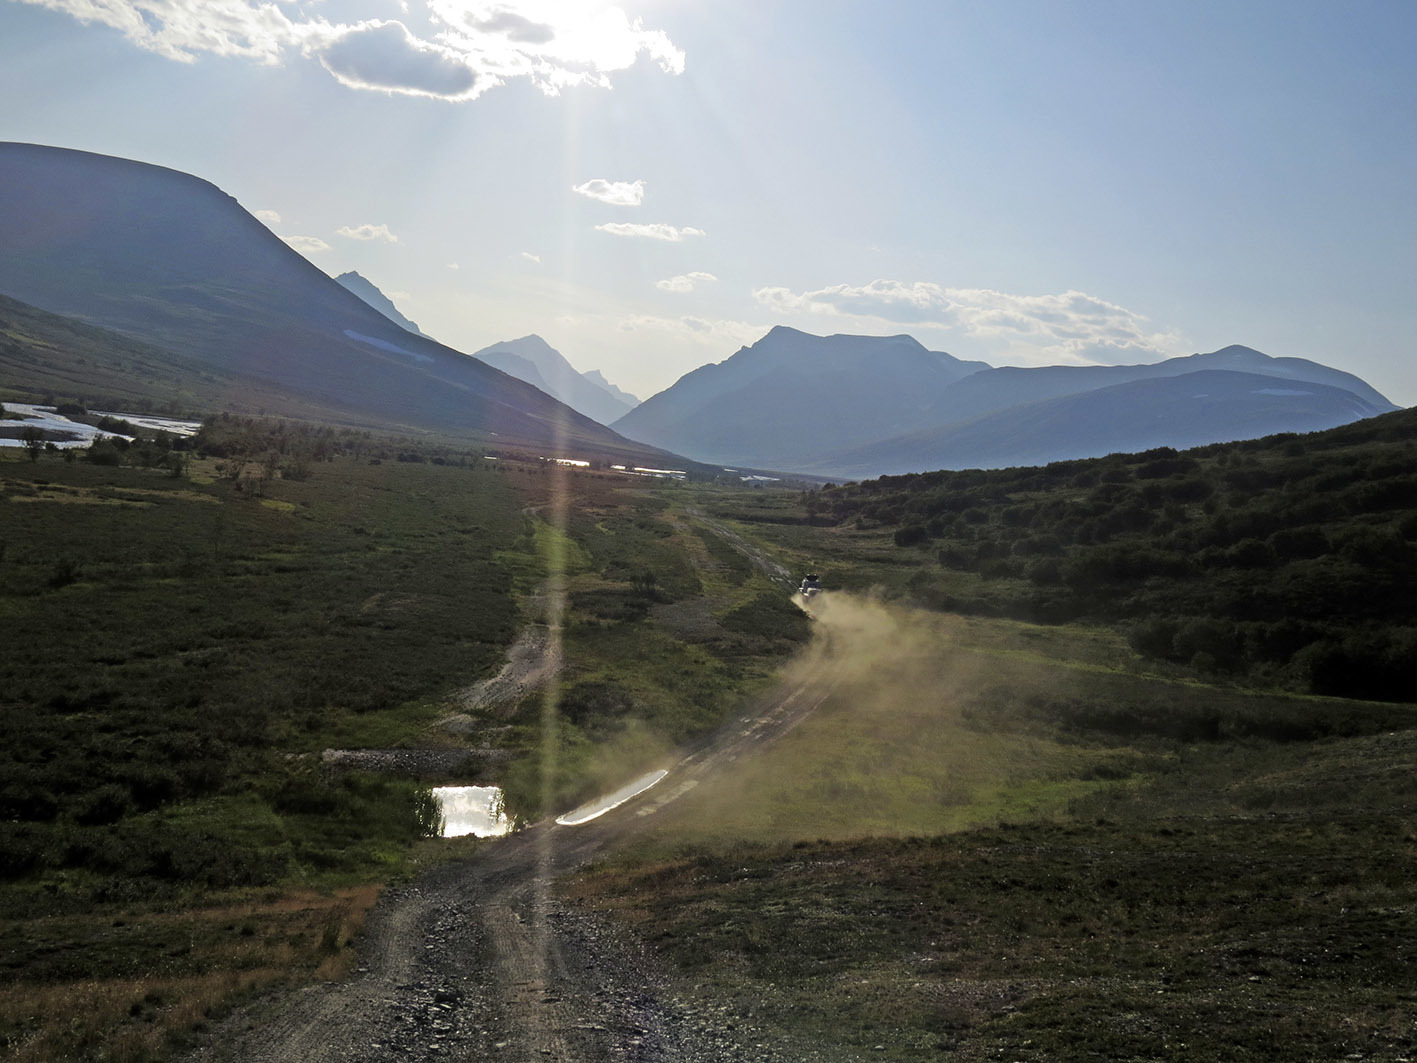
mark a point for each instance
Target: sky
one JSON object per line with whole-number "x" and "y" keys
{"x": 653, "y": 184}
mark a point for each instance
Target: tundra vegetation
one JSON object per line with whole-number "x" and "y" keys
{"x": 1287, "y": 561}
{"x": 1025, "y": 822}
{"x": 1085, "y": 787}
{"x": 190, "y": 624}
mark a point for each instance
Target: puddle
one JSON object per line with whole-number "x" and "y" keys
{"x": 472, "y": 810}
{"x": 601, "y": 805}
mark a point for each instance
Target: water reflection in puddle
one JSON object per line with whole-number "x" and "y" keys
{"x": 472, "y": 810}
{"x": 600, "y": 806}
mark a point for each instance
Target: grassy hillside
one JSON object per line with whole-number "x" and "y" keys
{"x": 47, "y": 358}
{"x": 1289, "y": 560}
{"x": 1078, "y": 839}
{"x": 1257, "y": 927}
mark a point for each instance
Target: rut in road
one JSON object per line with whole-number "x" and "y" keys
{"x": 477, "y": 961}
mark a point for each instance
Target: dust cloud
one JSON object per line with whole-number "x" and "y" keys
{"x": 887, "y": 658}
{"x": 909, "y": 734}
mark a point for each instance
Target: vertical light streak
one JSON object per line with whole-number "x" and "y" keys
{"x": 557, "y": 514}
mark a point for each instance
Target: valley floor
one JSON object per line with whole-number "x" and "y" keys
{"x": 478, "y": 959}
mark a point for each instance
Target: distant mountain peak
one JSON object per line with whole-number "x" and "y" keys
{"x": 596, "y": 377}
{"x": 778, "y": 401}
{"x": 366, "y": 289}
{"x": 1236, "y": 350}
{"x": 782, "y": 330}
{"x": 527, "y": 346}
{"x": 532, "y": 359}
{"x": 865, "y": 405}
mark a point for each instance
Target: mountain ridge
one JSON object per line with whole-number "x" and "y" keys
{"x": 776, "y": 391}
{"x": 865, "y": 406}
{"x": 173, "y": 261}
{"x": 596, "y": 377}
{"x": 1130, "y": 417}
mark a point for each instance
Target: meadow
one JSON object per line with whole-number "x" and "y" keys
{"x": 995, "y": 837}
{"x": 1005, "y": 839}
{"x": 190, "y": 625}
{"x": 1289, "y": 561}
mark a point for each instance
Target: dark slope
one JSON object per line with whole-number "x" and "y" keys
{"x": 173, "y": 261}
{"x": 780, "y": 402}
{"x": 45, "y": 355}
{"x": 1209, "y": 406}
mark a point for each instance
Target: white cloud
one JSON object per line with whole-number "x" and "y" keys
{"x": 718, "y": 332}
{"x": 651, "y": 231}
{"x": 684, "y": 282}
{"x": 367, "y": 232}
{"x": 616, "y": 193}
{"x": 184, "y": 29}
{"x": 306, "y": 245}
{"x": 385, "y": 56}
{"x": 529, "y": 257}
{"x": 1071, "y": 326}
{"x": 472, "y": 45}
{"x": 266, "y": 217}
{"x": 554, "y": 43}
{"x": 454, "y": 266}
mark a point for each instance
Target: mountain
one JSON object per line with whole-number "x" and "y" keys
{"x": 596, "y": 377}
{"x": 998, "y": 389}
{"x": 784, "y": 400}
{"x": 534, "y": 360}
{"x": 366, "y": 290}
{"x": 1204, "y": 406}
{"x": 175, "y": 263}
{"x": 860, "y": 406}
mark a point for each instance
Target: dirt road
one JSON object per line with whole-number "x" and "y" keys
{"x": 777, "y": 573}
{"x": 477, "y": 961}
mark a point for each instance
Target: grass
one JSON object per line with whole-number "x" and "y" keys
{"x": 181, "y": 649}
{"x": 1224, "y": 940}
{"x": 661, "y": 641}
{"x": 939, "y": 723}
{"x": 992, "y": 838}
{"x": 176, "y": 651}
{"x": 1245, "y": 903}
{"x": 116, "y": 982}
{"x": 1000, "y": 840}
